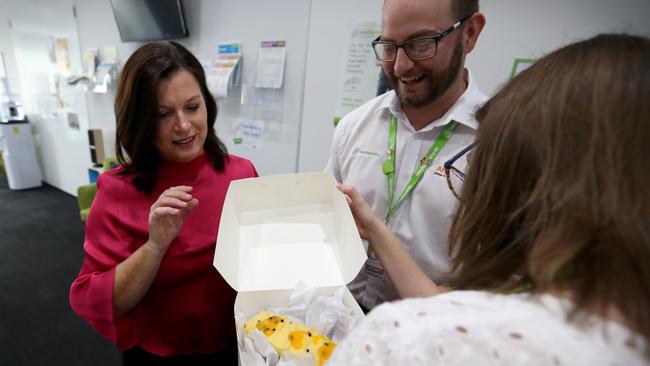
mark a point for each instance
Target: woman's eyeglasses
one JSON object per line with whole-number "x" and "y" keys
{"x": 455, "y": 176}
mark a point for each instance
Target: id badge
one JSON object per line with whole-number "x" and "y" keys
{"x": 373, "y": 267}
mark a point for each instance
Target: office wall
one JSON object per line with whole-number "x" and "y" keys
{"x": 97, "y": 29}
{"x": 64, "y": 154}
{"x": 331, "y": 21}
{"x": 7, "y": 49}
{"x": 31, "y": 27}
{"x": 211, "y": 22}
{"x": 530, "y": 29}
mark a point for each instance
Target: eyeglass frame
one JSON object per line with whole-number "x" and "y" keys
{"x": 449, "y": 165}
{"x": 436, "y": 39}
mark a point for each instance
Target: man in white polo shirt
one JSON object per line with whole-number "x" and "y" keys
{"x": 430, "y": 117}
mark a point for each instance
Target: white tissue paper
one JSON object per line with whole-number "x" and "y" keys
{"x": 289, "y": 359}
{"x": 326, "y": 314}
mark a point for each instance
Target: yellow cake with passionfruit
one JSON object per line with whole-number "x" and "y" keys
{"x": 293, "y": 337}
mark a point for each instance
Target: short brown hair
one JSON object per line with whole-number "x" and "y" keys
{"x": 461, "y": 8}
{"x": 558, "y": 190}
{"x": 136, "y": 109}
{"x": 465, "y": 8}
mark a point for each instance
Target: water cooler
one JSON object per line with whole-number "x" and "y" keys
{"x": 16, "y": 142}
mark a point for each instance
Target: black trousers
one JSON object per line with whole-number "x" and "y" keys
{"x": 226, "y": 356}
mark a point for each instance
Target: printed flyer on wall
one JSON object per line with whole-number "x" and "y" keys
{"x": 361, "y": 70}
{"x": 270, "y": 66}
{"x": 225, "y": 71}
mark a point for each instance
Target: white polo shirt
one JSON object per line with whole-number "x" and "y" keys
{"x": 423, "y": 220}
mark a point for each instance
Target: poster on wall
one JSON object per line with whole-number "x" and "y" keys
{"x": 250, "y": 133}
{"x": 109, "y": 55}
{"x": 62, "y": 56}
{"x": 361, "y": 69}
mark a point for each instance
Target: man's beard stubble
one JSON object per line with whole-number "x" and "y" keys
{"x": 441, "y": 81}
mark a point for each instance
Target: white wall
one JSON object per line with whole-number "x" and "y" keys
{"x": 253, "y": 21}
{"x": 530, "y": 29}
{"x": 97, "y": 29}
{"x": 6, "y": 47}
{"x": 331, "y": 22}
{"x": 62, "y": 151}
{"x": 211, "y": 22}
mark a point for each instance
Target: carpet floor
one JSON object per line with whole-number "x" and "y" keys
{"x": 41, "y": 239}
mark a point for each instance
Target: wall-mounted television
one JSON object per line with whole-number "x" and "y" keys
{"x": 149, "y": 20}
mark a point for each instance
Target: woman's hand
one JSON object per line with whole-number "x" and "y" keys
{"x": 403, "y": 272}
{"x": 367, "y": 223}
{"x": 167, "y": 214}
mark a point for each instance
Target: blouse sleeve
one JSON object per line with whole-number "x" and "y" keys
{"x": 106, "y": 245}
{"x": 254, "y": 173}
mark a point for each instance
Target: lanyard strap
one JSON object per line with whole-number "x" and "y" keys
{"x": 388, "y": 165}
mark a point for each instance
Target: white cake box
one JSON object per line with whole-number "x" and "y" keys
{"x": 280, "y": 229}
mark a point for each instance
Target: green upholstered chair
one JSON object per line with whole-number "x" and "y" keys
{"x": 110, "y": 163}
{"x": 86, "y": 193}
{"x": 85, "y": 196}
{"x": 2, "y": 164}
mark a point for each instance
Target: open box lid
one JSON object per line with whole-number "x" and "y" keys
{"x": 280, "y": 229}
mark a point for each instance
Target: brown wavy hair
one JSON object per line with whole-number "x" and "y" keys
{"x": 136, "y": 110}
{"x": 558, "y": 190}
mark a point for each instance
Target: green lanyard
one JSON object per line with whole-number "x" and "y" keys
{"x": 388, "y": 165}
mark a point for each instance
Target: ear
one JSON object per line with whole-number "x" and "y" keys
{"x": 473, "y": 27}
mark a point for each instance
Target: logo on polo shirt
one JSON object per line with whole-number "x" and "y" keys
{"x": 440, "y": 171}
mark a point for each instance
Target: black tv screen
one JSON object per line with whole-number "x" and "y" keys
{"x": 149, "y": 20}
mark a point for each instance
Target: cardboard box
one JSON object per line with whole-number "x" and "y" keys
{"x": 278, "y": 230}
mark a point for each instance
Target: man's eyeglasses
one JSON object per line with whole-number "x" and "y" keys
{"x": 455, "y": 176}
{"x": 416, "y": 49}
